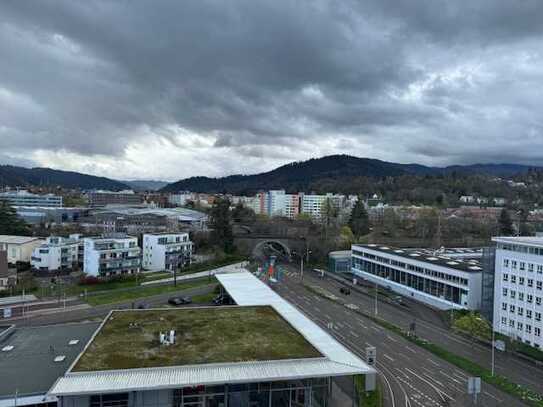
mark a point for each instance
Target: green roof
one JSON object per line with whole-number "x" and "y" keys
{"x": 130, "y": 339}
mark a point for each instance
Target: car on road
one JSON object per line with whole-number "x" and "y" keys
{"x": 345, "y": 290}
{"x": 176, "y": 301}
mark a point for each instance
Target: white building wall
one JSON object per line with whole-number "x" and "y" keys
{"x": 518, "y": 293}
{"x": 154, "y": 252}
{"x": 101, "y": 263}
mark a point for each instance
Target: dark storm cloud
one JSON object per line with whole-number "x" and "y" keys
{"x": 431, "y": 81}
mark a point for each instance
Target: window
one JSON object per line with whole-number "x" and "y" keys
{"x": 530, "y": 267}
{"x": 505, "y": 277}
{"x": 504, "y": 321}
{"x": 505, "y": 262}
{"x": 540, "y": 268}
{"x": 522, "y": 266}
{"x": 511, "y": 323}
{"x": 504, "y": 306}
{"x": 529, "y": 298}
{"x": 538, "y": 316}
{"x": 537, "y": 331}
{"x": 504, "y": 292}
{"x": 511, "y": 308}
{"x": 514, "y": 265}
{"x": 519, "y": 326}
{"x": 520, "y": 311}
{"x": 109, "y": 400}
{"x": 537, "y": 300}
{"x": 521, "y": 280}
{"x": 513, "y": 279}
{"x": 513, "y": 294}
{"x": 530, "y": 282}
{"x": 528, "y": 314}
{"x": 528, "y": 329}
{"x": 521, "y": 296}
{"x": 539, "y": 285}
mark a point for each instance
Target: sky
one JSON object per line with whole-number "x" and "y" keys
{"x": 172, "y": 89}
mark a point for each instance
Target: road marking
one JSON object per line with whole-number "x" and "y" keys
{"x": 391, "y": 338}
{"x": 388, "y": 357}
{"x": 494, "y": 397}
{"x": 354, "y": 334}
{"x": 363, "y": 326}
{"x": 410, "y": 349}
{"x": 349, "y": 325}
{"x": 327, "y": 316}
{"x": 375, "y": 328}
{"x": 439, "y": 391}
{"x": 433, "y": 362}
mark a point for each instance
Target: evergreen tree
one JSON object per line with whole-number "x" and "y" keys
{"x": 359, "y": 221}
{"x": 220, "y": 221}
{"x": 10, "y": 223}
{"x": 505, "y": 223}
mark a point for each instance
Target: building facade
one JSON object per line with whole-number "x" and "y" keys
{"x": 111, "y": 255}
{"x": 99, "y": 199}
{"x": 25, "y": 198}
{"x": 19, "y": 248}
{"x": 166, "y": 251}
{"x": 518, "y": 288}
{"x": 444, "y": 279}
{"x": 58, "y": 253}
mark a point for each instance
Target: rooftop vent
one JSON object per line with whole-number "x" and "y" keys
{"x": 372, "y": 245}
{"x": 398, "y": 251}
{"x": 414, "y": 255}
{"x": 167, "y": 339}
{"x": 475, "y": 268}
{"x": 7, "y": 348}
{"x": 384, "y": 248}
{"x": 59, "y": 358}
{"x": 432, "y": 258}
{"x": 73, "y": 342}
{"x": 452, "y": 263}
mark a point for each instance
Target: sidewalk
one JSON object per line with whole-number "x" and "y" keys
{"x": 231, "y": 268}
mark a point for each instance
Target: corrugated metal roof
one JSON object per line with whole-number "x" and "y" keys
{"x": 246, "y": 290}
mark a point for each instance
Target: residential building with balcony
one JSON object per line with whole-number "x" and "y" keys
{"x": 19, "y": 248}
{"x": 111, "y": 255}
{"x": 58, "y": 253}
{"x": 518, "y": 289}
{"x": 166, "y": 251}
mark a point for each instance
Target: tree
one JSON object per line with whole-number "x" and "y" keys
{"x": 505, "y": 223}
{"x": 242, "y": 214}
{"x": 346, "y": 237}
{"x": 220, "y": 222}
{"x": 359, "y": 221}
{"x": 10, "y": 223}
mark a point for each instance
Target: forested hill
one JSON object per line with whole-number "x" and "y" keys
{"x": 335, "y": 173}
{"x": 19, "y": 177}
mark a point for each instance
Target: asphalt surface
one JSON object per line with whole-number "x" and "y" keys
{"x": 101, "y": 311}
{"x": 430, "y": 327}
{"x": 410, "y": 376}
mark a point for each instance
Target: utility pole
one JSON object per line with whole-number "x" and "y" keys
{"x": 302, "y": 267}
{"x": 493, "y": 349}
{"x": 375, "y": 298}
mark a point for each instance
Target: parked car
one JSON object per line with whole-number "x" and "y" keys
{"x": 143, "y": 305}
{"x": 345, "y": 290}
{"x": 179, "y": 301}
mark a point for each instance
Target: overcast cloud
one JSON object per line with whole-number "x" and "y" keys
{"x": 172, "y": 89}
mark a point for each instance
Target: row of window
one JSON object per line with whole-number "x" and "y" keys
{"x": 521, "y": 281}
{"x": 520, "y": 326}
{"x": 521, "y": 248}
{"x": 417, "y": 269}
{"x": 522, "y": 266}
{"x": 506, "y": 292}
{"x": 520, "y": 311}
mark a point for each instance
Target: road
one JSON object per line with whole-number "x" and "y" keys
{"x": 99, "y": 312}
{"x": 429, "y": 327}
{"x": 411, "y": 376}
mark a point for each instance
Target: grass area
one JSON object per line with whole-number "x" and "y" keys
{"x": 129, "y": 339}
{"x": 367, "y": 398}
{"x": 142, "y": 292}
{"x": 521, "y": 347}
{"x": 528, "y": 396}
{"x": 157, "y": 275}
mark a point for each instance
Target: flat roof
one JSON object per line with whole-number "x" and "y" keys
{"x": 11, "y": 239}
{"x": 522, "y": 240}
{"x": 247, "y": 291}
{"x": 204, "y": 335}
{"x": 29, "y": 367}
{"x": 461, "y": 259}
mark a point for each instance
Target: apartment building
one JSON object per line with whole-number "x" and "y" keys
{"x": 25, "y": 198}
{"x": 180, "y": 199}
{"x": 445, "y": 279}
{"x": 166, "y": 251}
{"x": 19, "y": 248}
{"x": 58, "y": 253}
{"x": 111, "y": 255}
{"x": 518, "y": 288}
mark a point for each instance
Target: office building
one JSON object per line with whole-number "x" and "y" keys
{"x": 179, "y": 199}
{"x": 111, "y": 255}
{"x": 58, "y": 253}
{"x": 262, "y": 352}
{"x": 339, "y": 261}
{"x": 445, "y": 279}
{"x": 166, "y": 251}
{"x": 101, "y": 198}
{"x": 19, "y": 248}
{"x": 518, "y": 288}
{"x": 25, "y": 198}
{"x": 35, "y": 215}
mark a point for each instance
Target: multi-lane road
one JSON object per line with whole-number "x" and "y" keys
{"x": 410, "y": 376}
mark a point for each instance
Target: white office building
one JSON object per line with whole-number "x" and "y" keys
{"x": 58, "y": 253}
{"x": 25, "y": 198}
{"x": 19, "y": 248}
{"x": 445, "y": 279}
{"x": 180, "y": 199}
{"x": 518, "y": 288}
{"x": 166, "y": 251}
{"x": 107, "y": 256}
